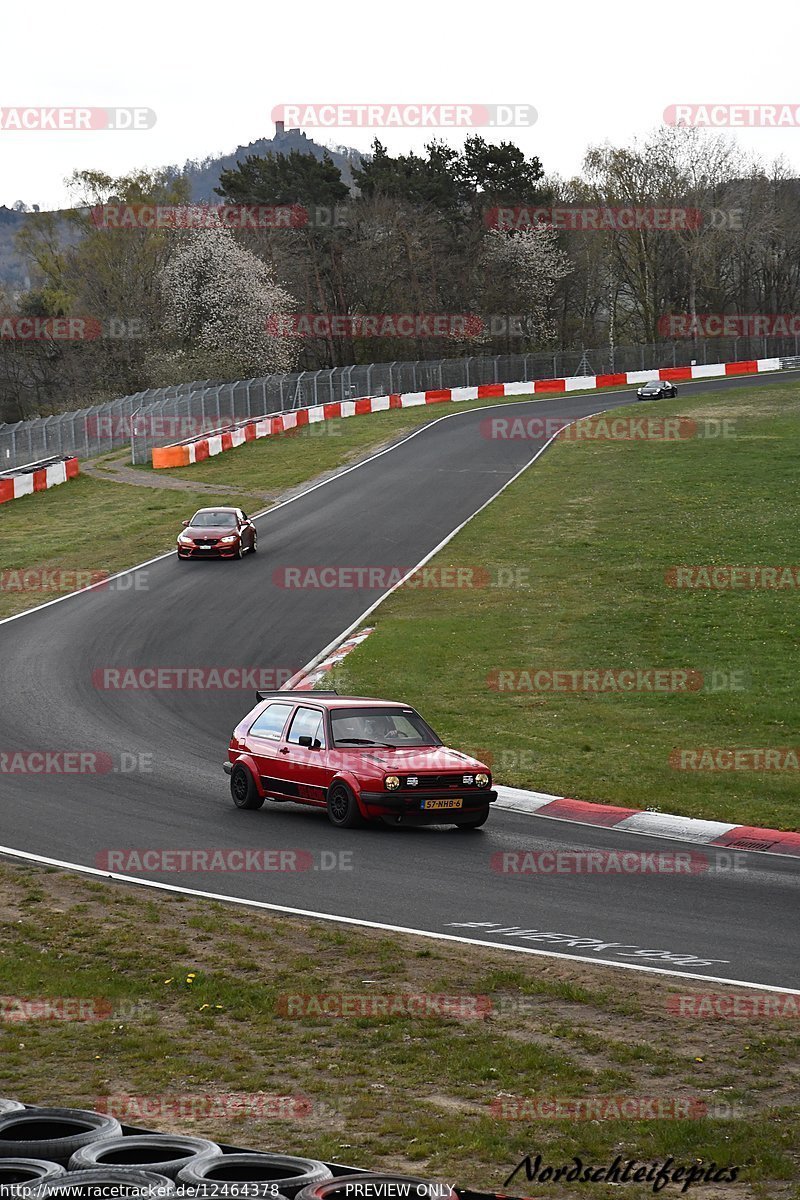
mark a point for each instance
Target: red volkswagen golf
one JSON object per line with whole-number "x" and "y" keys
{"x": 359, "y": 759}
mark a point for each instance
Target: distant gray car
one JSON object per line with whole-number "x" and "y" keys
{"x": 656, "y": 389}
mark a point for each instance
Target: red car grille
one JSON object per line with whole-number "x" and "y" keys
{"x": 437, "y": 782}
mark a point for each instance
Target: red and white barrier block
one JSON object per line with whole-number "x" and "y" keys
{"x": 184, "y": 453}
{"x": 35, "y": 478}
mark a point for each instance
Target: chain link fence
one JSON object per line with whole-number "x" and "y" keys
{"x": 160, "y": 416}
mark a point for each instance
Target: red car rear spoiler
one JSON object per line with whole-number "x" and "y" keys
{"x": 283, "y": 695}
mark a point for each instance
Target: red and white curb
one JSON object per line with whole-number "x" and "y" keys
{"x": 307, "y": 682}
{"x": 185, "y": 453}
{"x": 654, "y": 824}
{"x": 25, "y": 483}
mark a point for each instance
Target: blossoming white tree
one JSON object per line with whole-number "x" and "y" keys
{"x": 218, "y": 297}
{"x": 520, "y": 271}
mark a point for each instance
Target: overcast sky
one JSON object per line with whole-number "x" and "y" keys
{"x": 213, "y": 74}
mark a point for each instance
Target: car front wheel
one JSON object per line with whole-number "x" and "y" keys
{"x": 243, "y": 789}
{"x": 343, "y": 810}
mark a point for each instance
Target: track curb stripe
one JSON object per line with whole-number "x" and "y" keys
{"x": 653, "y": 824}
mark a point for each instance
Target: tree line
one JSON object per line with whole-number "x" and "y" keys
{"x": 681, "y": 224}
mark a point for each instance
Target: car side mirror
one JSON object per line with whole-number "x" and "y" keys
{"x": 185, "y": 524}
{"x": 309, "y": 742}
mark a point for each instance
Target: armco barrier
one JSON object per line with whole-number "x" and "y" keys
{"x": 36, "y": 477}
{"x": 182, "y": 454}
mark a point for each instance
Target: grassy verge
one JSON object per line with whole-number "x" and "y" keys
{"x": 581, "y": 545}
{"x": 203, "y": 984}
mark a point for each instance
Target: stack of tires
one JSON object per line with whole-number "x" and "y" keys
{"x": 73, "y": 1152}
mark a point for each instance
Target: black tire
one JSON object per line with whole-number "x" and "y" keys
{"x": 254, "y": 546}
{"x": 7, "y": 1106}
{"x": 123, "y": 1182}
{"x": 243, "y": 789}
{"x": 474, "y": 822}
{"x": 239, "y": 550}
{"x": 343, "y": 810}
{"x": 354, "y": 1187}
{"x": 161, "y": 1153}
{"x": 29, "y": 1172}
{"x": 279, "y": 1172}
{"x": 54, "y": 1134}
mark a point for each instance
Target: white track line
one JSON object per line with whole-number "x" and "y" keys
{"x": 425, "y": 933}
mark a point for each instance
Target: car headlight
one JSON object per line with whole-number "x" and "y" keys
{"x": 481, "y": 780}
{"x": 184, "y": 540}
{"x": 230, "y": 538}
{"x": 391, "y": 783}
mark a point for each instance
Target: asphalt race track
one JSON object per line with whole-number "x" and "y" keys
{"x": 735, "y": 924}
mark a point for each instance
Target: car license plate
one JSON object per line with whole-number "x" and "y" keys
{"x": 451, "y": 802}
{"x": 203, "y": 545}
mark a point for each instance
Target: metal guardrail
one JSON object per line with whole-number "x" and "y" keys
{"x": 29, "y": 468}
{"x": 160, "y": 416}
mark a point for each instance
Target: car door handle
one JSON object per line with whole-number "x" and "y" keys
{"x": 284, "y": 750}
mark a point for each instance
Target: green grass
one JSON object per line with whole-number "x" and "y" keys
{"x": 586, "y": 537}
{"x": 201, "y": 983}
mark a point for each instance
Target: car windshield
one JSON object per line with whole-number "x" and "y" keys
{"x": 213, "y": 516}
{"x": 380, "y": 727}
